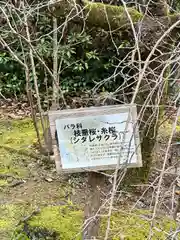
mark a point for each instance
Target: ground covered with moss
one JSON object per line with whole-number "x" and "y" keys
{"x": 27, "y": 184}
{"x": 36, "y": 203}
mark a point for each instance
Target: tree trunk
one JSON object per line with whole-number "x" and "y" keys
{"x": 96, "y": 14}
{"x": 55, "y": 65}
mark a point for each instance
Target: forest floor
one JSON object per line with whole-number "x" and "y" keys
{"x": 37, "y": 203}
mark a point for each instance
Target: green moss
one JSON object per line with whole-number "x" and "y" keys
{"x": 165, "y": 97}
{"x": 136, "y": 226}
{"x": 10, "y": 212}
{"x": 66, "y": 221}
{"x": 105, "y": 16}
{"x": 3, "y": 183}
{"x": 166, "y": 129}
{"x": 4, "y": 224}
{"x": 9, "y": 217}
{"x": 173, "y": 17}
{"x": 100, "y": 15}
{"x": 19, "y": 172}
{"x": 12, "y": 163}
{"x": 177, "y": 128}
{"x": 17, "y": 133}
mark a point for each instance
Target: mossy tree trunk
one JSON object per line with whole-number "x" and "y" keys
{"x": 96, "y": 14}
{"x": 154, "y": 87}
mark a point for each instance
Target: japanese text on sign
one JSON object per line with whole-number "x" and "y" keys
{"x": 82, "y": 135}
{"x": 92, "y": 141}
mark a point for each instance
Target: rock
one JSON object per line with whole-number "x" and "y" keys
{"x": 15, "y": 183}
{"x": 20, "y": 112}
{"x": 140, "y": 204}
{"x": 31, "y": 165}
{"x": 10, "y": 179}
{"x": 54, "y": 170}
{"x": 49, "y": 179}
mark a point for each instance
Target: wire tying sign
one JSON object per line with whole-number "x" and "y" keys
{"x": 98, "y": 138}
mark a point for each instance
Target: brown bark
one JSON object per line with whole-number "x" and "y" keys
{"x": 149, "y": 119}
{"x": 95, "y": 182}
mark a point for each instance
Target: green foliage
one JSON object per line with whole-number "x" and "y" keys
{"x": 82, "y": 66}
{"x": 86, "y": 56}
{"x": 11, "y": 76}
{"x": 174, "y": 5}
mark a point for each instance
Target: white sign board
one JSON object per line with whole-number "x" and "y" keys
{"x": 97, "y": 138}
